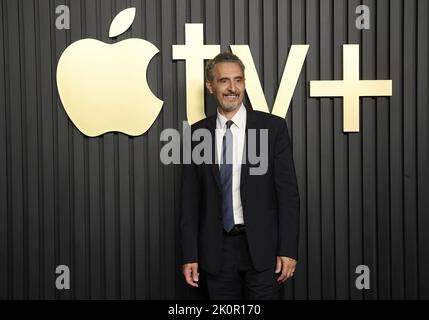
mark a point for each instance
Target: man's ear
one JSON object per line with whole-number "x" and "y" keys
{"x": 209, "y": 87}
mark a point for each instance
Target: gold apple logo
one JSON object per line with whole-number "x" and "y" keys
{"x": 103, "y": 87}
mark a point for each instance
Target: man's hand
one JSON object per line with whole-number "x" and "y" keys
{"x": 287, "y": 267}
{"x": 190, "y": 271}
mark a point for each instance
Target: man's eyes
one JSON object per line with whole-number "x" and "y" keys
{"x": 236, "y": 80}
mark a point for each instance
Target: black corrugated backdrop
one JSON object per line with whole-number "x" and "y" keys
{"x": 108, "y": 208}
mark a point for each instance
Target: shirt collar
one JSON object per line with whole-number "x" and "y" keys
{"x": 239, "y": 118}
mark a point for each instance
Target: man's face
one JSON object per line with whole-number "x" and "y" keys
{"x": 228, "y": 85}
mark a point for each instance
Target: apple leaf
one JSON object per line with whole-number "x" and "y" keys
{"x": 122, "y": 22}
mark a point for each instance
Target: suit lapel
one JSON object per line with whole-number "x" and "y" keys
{"x": 250, "y": 124}
{"x": 214, "y": 167}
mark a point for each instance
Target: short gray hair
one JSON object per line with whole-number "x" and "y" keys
{"x": 220, "y": 58}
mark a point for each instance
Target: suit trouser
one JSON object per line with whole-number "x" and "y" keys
{"x": 237, "y": 278}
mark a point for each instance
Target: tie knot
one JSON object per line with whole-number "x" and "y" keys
{"x": 229, "y": 124}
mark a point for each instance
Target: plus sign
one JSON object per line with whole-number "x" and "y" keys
{"x": 194, "y": 52}
{"x": 350, "y": 88}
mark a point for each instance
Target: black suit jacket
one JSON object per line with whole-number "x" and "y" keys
{"x": 270, "y": 201}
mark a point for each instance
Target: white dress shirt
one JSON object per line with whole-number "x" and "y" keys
{"x": 238, "y": 129}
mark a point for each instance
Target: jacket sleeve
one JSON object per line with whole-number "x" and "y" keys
{"x": 287, "y": 195}
{"x": 189, "y": 212}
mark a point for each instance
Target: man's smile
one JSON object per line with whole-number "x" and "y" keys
{"x": 230, "y": 96}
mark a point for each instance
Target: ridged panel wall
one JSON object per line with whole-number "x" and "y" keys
{"x": 108, "y": 208}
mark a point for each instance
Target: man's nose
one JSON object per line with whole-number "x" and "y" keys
{"x": 232, "y": 87}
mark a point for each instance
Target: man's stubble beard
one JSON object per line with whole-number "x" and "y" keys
{"x": 229, "y": 108}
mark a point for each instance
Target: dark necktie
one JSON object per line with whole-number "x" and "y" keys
{"x": 226, "y": 179}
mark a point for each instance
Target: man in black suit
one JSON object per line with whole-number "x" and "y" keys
{"x": 239, "y": 226}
